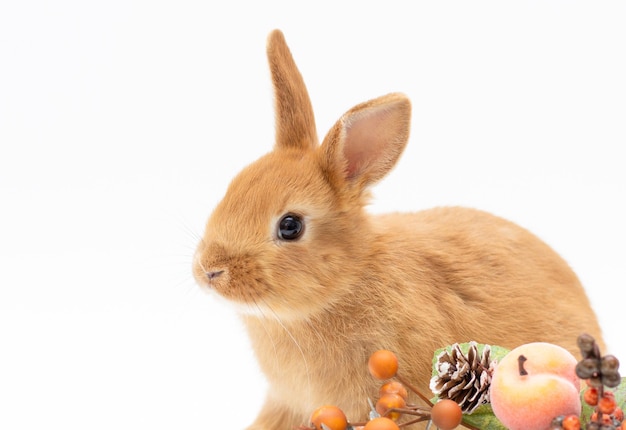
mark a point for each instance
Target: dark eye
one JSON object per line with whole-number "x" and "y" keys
{"x": 290, "y": 227}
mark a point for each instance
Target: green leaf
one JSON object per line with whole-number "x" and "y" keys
{"x": 620, "y": 394}
{"x": 483, "y": 418}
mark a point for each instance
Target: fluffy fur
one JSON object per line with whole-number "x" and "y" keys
{"x": 317, "y": 307}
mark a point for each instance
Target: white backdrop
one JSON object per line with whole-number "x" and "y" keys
{"x": 122, "y": 122}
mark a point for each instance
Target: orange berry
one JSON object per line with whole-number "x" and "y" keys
{"x": 383, "y": 364}
{"x": 381, "y": 423}
{"x": 390, "y": 401}
{"x": 607, "y": 404}
{"x": 446, "y": 414}
{"x": 331, "y": 416}
{"x": 591, "y": 396}
{"x": 571, "y": 422}
{"x": 618, "y": 414}
{"x": 393, "y": 387}
{"x": 605, "y": 420}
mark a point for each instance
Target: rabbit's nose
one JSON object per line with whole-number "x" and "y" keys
{"x": 214, "y": 274}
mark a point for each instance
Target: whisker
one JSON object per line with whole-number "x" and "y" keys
{"x": 269, "y": 335}
{"x": 202, "y": 266}
{"x": 297, "y": 344}
{"x": 190, "y": 232}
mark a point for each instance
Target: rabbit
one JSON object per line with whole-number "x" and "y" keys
{"x": 320, "y": 283}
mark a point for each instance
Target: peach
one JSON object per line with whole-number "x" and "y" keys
{"x": 533, "y": 384}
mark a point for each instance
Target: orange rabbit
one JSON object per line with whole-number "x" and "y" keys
{"x": 321, "y": 284}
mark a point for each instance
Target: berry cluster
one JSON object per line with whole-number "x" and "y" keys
{"x": 392, "y": 404}
{"x": 600, "y": 373}
{"x": 393, "y": 409}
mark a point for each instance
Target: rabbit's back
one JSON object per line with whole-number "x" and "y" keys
{"x": 483, "y": 278}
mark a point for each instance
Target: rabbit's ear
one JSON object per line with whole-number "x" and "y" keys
{"x": 295, "y": 122}
{"x": 366, "y": 142}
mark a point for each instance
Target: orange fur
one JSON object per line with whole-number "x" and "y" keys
{"x": 316, "y": 307}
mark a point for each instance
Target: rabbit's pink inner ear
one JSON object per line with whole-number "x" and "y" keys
{"x": 374, "y": 137}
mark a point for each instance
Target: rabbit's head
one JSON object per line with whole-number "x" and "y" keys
{"x": 284, "y": 239}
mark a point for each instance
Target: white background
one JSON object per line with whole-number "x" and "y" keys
{"x": 122, "y": 122}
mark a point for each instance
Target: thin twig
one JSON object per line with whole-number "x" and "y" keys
{"x": 412, "y": 388}
{"x": 408, "y": 411}
{"x": 415, "y": 421}
{"x": 471, "y": 427}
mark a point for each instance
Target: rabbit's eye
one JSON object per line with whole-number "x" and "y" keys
{"x": 290, "y": 227}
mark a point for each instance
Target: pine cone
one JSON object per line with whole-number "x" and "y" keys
{"x": 464, "y": 378}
